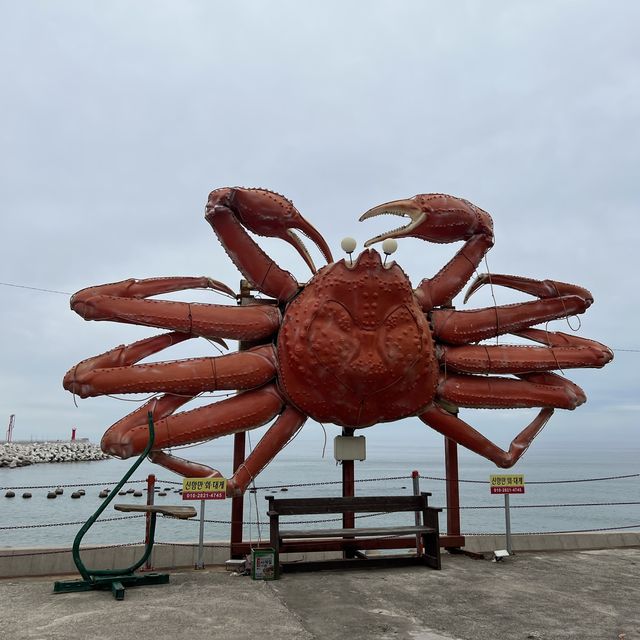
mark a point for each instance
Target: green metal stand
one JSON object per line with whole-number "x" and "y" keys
{"x": 114, "y": 579}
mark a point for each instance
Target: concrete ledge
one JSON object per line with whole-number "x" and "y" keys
{"x": 43, "y": 561}
{"x": 555, "y": 541}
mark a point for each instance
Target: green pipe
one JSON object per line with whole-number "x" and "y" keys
{"x": 88, "y": 573}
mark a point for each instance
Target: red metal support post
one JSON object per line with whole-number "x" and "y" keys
{"x": 239, "y": 453}
{"x": 348, "y": 490}
{"x": 453, "y": 492}
{"x": 151, "y": 491}
{"x": 237, "y": 502}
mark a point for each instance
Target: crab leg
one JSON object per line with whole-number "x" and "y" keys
{"x": 274, "y": 440}
{"x": 562, "y": 351}
{"x": 453, "y": 427}
{"x": 249, "y": 410}
{"x": 442, "y": 219}
{"x": 230, "y": 210}
{"x": 539, "y": 288}
{"x": 126, "y": 301}
{"x": 557, "y": 300}
{"x": 116, "y": 372}
{"x": 527, "y": 390}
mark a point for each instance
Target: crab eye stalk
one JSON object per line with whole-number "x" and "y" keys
{"x": 348, "y": 246}
{"x": 389, "y": 246}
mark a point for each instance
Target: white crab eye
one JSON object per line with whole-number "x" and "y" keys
{"x": 348, "y": 245}
{"x": 389, "y": 246}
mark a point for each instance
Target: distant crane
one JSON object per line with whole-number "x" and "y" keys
{"x": 12, "y": 421}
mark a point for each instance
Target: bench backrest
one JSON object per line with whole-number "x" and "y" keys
{"x": 359, "y": 504}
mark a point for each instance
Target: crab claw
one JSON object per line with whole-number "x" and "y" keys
{"x": 434, "y": 217}
{"x": 267, "y": 213}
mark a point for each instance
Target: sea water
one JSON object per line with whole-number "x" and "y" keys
{"x": 307, "y": 469}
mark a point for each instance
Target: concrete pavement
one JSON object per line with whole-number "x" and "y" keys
{"x": 531, "y": 596}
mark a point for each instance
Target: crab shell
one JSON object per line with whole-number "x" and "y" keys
{"x": 355, "y": 347}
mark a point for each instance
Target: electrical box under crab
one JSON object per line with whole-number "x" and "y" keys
{"x": 349, "y": 448}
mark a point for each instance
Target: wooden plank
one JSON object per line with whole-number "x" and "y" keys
{"x": 336, "y": 544}
{"x": 357, "y": 563}
{"x": 358, "y": 504}
{"x": 359, "y": 532}
{"x": 172, "y": 511}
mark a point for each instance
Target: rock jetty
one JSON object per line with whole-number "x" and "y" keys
{"x": 13, "y": 454}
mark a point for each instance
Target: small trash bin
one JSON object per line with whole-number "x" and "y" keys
{"x": 263, "y": 564}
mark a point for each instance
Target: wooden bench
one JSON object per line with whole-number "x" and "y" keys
{"x": 353, "y": 539}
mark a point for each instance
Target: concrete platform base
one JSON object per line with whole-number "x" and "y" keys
{"x": 581, "y": 595}
{"x": 16, "y": 562}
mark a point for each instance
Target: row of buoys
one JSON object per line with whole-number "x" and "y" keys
{"x": 137, "y": 493}
{"x": 76, "y": 494}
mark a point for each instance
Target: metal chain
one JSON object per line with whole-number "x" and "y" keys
{"x": 545, "y": 506}
{"x": 539, "y": 533}
{"x": 85, "y": 484}
{"x": 65, "y": 524}
{"x": 50, "y": 552}
{"x": 368, "y": 515}
{"x": 328, "y": 482}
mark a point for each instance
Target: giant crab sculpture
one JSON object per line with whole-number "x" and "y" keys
{"x": 354, "y": 346}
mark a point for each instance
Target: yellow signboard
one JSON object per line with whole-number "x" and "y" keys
{"x": 204, "y": 488}
{"x": 507, "y": 483}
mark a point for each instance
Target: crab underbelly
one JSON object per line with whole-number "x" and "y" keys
{"x": 361, "y": 386}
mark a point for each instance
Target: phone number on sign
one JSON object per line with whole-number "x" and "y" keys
{"x": 203, "y": 495}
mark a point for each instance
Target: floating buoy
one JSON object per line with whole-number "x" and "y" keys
{"x": 52, "y": 494}
{"x": 59, "y": 491}
{"x": 122, "y": 493}
{"x": 129, "y": 490}
{"x": 162, "y": 493}
{"x": 76, "y": 494}
{"x": 26, "y": 494}
{"x": 137, "y": 494}
{"x": 167, "y": 488}
{"x": 284, "y": 489}
{"x": 10, "y": 494}
{"x": 103, "y": 494}
{"x": 82, "y": 492}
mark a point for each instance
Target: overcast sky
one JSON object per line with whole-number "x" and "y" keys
{"x": 118, "y": 118}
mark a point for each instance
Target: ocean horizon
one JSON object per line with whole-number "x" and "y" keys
{"x": 556, "y": 474}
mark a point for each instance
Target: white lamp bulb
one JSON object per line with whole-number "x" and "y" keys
{"x": 348, "y": 245}
{"x": 389, "y": 246}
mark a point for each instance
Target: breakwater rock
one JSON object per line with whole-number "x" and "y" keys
{"x": 13, "y": 454}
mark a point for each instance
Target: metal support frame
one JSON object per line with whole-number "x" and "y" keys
{"x": 452, "y": 541}
{"x": 453, "y": 490}
{"x": 237, "y": 502}
{"x": 348, "y": 490}
{"x": 239, "y": 453}
{"x": 114, "y": 579}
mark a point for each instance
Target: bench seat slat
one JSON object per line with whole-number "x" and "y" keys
{"x": 359, "y": 504}
{"x": 362, "y": 532}
{"x": 181, "y": 512}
